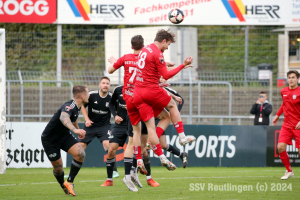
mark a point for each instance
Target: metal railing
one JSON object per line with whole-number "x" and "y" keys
{"x": 40, "y": 83}
{"x": 199, "y": 83}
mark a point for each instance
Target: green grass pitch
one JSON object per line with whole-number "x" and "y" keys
{"x": 189, "y": 183}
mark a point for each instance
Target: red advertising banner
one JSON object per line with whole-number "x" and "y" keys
{"x": 28, "y": 11}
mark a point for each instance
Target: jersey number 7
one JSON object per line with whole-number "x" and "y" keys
{"x": 133, "y": 74}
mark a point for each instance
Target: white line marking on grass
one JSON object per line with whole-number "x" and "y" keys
{"x": 223, "y": 171}
{"x": 41, "y": 183}
{"x": 113, "y": 197}
{"x": 8, "y": 173}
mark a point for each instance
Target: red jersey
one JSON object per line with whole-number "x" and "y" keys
{"x": 290, "y": 106}
{"x": 129, "y": 61}
{"x": 151, "y": 66}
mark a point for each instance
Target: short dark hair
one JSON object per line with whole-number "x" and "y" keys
{"x": 78, "y": 89}
{"x": 293, "y": 72}
{"x": 165, "y": 34}
{"x": 262, "y": 92}
{"x": 104, "y": 77}
{"x": 137, "y": 42}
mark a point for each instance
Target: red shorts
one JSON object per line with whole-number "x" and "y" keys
{"x": 132, "y": 111}
{"x": 286, "y": 136}
{"x": 150, "y": 101}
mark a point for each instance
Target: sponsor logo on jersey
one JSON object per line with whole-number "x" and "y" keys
{"x": 122, "y": 105}
{"x": 68, "y": 108}
{"x": 95, "y": 102}
{"x": 139, "y": 79}
{"x": 106, "y": 104}
{"x": 52, "y": 155}
{"x": 294, "y": 96}
{"x": 128, "y": 93}
{"x": 99, "y": 111}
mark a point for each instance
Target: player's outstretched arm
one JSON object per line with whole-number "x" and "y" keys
{"x": 170, "y": 64}
{"x": 169, "y": 74}
{"x": 111, "y": 68}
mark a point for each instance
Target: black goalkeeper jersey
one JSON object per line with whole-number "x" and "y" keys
{"x": 98, "y": 108}
{"x": 55, "y": 128}
{"x": 119, "y": 102}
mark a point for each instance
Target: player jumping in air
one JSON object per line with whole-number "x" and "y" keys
{"x": 129, "y": 62}
{"x": 150, "y": 99}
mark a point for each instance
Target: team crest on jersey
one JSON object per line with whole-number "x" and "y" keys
{"x": 161, "y": 59}
{"x": 68, "y": 108}
{"x": 294, "y": 96}
{"x": 107, "y": 103}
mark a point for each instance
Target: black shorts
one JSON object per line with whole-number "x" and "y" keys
{"x": 144, "y": 129}
{"x": 101, "y": 133}
{"x": 119, "y": 134}
{"x": 52, "y": 148}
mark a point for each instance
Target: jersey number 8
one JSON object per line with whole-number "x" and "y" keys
{"x": 141, "y": 62}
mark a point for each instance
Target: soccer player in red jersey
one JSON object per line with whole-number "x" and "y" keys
{"x": 291, "y": 125}
{"x": 150, "y": 99}
{"x": 129, "y": 62}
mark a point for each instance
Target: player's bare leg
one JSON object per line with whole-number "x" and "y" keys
{"x": 128, "y": 162}
{"x": 78, "y": 154}
{"x": 110, "y": 162}
{"x": 176, "y": 119}
{"x": 285, "y": 160}
{"x": 137, "y": 149}
{"x": 84, "y": 145}
{"x": 164, "y": 122}
{"x": 156, "y": 145}
{"x": 105, "y": 144}
{"x": 58, "y": 172}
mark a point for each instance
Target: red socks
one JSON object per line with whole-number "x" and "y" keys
{"x": 159, "y": 132}
{"x": 137, "y": 152}
{"x": 285, "y": 161}
{"x": 157, "y": 149}
{"x": 179, "y": 127}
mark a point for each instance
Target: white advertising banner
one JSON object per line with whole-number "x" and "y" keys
{"x": 24, "y": 148}
{"x": 197, "y": 12}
